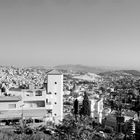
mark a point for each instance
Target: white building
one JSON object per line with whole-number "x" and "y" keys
{"x": 45, "y": 104}
{"x": 55, "y": 88}
{"x": 96, "y": 108}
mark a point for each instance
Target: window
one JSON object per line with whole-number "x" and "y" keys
{"x": 34, "y": 104}
{"x": 55, "y": 114}
{"x": 55, "y": 93}
{"x": 55, "y": 103}
{"x": 38, "y": 93}
{"x": 55, "y": 82}
{"x": 29, "y": 93}
{"x": 12, "y": 106}
{"x": 47, "y": 101}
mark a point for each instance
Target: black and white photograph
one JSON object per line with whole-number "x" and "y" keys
{"x": 69, "y": 69}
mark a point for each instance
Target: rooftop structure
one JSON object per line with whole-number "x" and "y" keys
{"x": 54, "y": 72}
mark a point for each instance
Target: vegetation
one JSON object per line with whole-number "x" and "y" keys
{"x": 76, "y": 108}
{"x": 10, "y": 135}
{"x": 85, "y": 110}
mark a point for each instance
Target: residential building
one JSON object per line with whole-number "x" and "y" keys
{"x": 55, "y": 88}
{"x": 96, "y": 108}
{"x": 45, "y": 104}
{"x": 129, "y": 115}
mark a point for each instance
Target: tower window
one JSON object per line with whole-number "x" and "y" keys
{"x": 46, "y": 100}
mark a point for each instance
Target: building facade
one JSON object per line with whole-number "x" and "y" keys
{"x": 97, "y": 109}
{"x": 45, "y": 104}
{"x": 55, "y": 89}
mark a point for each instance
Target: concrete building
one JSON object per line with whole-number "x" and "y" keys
{"x": 129, "y": 115}
{"x": 96, "y": 108}
{"x": 55, "y": 88}
{"x": 45, "y": 104}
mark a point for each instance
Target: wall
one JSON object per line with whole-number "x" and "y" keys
{"x": 5, "y": 105}
{"x": 55, "y": 88}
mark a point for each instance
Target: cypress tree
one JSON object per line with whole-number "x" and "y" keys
{"x": 76, "y": 107}
{"x": 86, "y": 109}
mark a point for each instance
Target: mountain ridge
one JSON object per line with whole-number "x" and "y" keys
{"x": 82, "y": 68}
{"x": 134, "y": 73}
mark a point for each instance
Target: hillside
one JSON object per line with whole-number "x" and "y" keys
{"x": 133, "y": 72}
{"x": 81, "y": 68}
{"x": 88, "y": 77}
{"x": 121, "y": 73}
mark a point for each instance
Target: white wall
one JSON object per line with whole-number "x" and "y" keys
{"x": 5, "y": 105}
{"x": 97, "y": 109}
{"x": 57, "y": 94}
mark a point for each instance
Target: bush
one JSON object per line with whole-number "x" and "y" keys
{"x": 108, "y": 129}
{"x": 12, "y": 136}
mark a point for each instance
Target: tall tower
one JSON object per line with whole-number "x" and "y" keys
{"x": 55, "y": 87}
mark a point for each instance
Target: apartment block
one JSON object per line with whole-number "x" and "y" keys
{"x": 45, "y": 104}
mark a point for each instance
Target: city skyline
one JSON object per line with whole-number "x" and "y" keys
{"x": 57, "y": 32}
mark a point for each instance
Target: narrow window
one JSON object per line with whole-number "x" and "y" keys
{"x": 46, "y": 101}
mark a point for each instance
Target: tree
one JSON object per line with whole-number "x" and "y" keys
{"x": 102, "y": 89}
{"x": 77, "y": 130}
{"x": 85, "y": 110}
{"x": 108, "y": 129}
{"x": 76, "y": 108}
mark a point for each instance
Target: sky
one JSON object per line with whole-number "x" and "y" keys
{"x": 57, "y": 32}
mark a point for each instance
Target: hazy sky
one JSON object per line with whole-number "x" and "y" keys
{"x": 54, "y": 32}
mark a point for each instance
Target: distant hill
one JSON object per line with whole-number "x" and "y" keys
{"x": 133, "y": 72}
{"x": 38, "y": 67}
{"x": 81, "y": 68}
{"x": 118, "y": 73}
{"x": 88, "y": 77}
